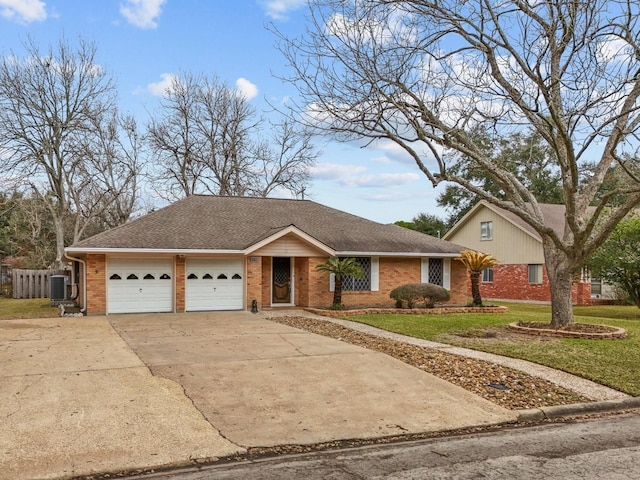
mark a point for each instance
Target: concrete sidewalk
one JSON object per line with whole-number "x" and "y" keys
{"x": 80, "y": 397}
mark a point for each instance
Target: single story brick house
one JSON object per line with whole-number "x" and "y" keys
{"x": 521, "y": 274}
{"x": 223, "y": 253}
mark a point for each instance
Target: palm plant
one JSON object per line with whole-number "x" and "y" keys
{"x": 340, "y": 268}
{"x": 476, "y": 262}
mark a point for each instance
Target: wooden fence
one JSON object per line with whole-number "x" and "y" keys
{"x": 30, "y": 283}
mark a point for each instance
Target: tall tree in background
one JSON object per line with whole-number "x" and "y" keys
{"x": 208, "y": 140}
{"x": 54, "y": 108}
{"x": 617, "y": 261}
{"x": 426, "y": 223}
{"x": 426, "y": 74}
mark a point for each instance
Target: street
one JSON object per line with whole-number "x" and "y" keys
{"x": 607, "y": 447}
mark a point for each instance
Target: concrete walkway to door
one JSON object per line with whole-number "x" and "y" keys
{"x": 260, "y": 383}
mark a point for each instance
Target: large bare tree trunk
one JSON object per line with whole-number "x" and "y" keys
{"x": 560, "y": 274}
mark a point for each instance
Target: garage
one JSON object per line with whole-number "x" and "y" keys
{"x": 137, "y": 285}
{"x": 214, "y": 284}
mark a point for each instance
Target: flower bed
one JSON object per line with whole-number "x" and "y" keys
{"x": 405, "y": 311}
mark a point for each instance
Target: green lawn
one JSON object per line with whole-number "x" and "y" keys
{"x": 615, "y": 363}
{"x": 26, "y": 308}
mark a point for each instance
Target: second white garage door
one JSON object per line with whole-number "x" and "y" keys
{"x": 214, "y": 284}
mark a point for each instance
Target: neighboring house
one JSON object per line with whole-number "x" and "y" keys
{"x": 521, "y": 273}
{"x": 223, "y": 253}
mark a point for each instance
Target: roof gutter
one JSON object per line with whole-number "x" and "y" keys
{"x": 171, "y": 251}
{"x": 398, "y": 254}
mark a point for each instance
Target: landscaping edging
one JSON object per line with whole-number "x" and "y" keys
{"x": 405, "y": 311}
{"x": 615, "y": 334}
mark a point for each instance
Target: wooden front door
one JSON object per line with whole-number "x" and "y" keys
{"x": 281, "y": 280}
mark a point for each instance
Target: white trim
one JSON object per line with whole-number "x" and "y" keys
{"x": 397, "y": 254}
{"x": 424, "y": 270}
{"x": 153, "y": 251}
{"x": 446, "y": 273}
{"x": 375, "y": 274}
{"x": 286, "y": 231}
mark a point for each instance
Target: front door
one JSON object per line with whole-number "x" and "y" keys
{"x": 281, "y": 280}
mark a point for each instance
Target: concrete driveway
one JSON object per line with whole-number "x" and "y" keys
{"x": 261, "y": 383}
{"x": 95, "y": 394}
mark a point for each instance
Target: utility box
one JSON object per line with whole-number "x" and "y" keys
{"x": 58, "y": 288}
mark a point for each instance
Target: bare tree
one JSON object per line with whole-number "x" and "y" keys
{"x": 207, "y": 138}
{"x": 53, "y": 108}
{"x": 424, "y": 73}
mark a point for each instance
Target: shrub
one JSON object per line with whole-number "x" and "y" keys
{"x": 411, "y": 293}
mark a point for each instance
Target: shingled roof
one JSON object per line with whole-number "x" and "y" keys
{"x": 202, "y": 222}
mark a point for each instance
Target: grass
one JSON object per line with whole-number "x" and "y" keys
{"x": 615, "y": 363}
{"x": 11, "y": 308}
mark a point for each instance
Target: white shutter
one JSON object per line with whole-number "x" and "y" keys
{"x": 332, "y": 282}
{"x": 375, "y": 274}
{"x": 424, "y": 270}
{"x": 446, "y": 273}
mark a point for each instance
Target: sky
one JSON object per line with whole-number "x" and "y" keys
{"x": 141, "y": 43}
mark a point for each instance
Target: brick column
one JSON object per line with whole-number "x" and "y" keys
{"x": 254, "y": 281}
{"x": 96, "y": 284}
{"x": 180, "y": 284}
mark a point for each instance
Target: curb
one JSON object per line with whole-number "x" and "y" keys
{"x": 576, "y": 409}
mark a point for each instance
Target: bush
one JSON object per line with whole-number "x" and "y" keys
{"x": 411, "y": 293}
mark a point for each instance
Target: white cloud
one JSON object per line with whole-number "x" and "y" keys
{"x": 160, "y": 88}
{"x": 385, "y": 180}
{"x": 246, "y": 88}
{"x": 336, "y": 171}
{"x": 142, "y": 13}
{"x": 279, "y": 9}
{"x": 356, "y": 176}
{"x": 23, "y": 11}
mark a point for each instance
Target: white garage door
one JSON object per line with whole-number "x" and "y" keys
{"x": 140, "y": 285}
{"x": 214, "y": 284}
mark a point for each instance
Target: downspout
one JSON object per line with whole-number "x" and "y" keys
{"x": 83, "y": 309}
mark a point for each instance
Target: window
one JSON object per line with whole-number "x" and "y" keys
{"x": 350, "y": 283}
{"x": 486, "y": 230}
{"x": 487, "y": 275}
{"x": 222, "y": 276}
{"x": 148, "y": 276}
{"x": 165, "y": 276}
{"x": 132, "y": 276}
{"x": 192, "y": 276}
{"x": 236, "y": 276}
{"x": 436, "y": 271}
{"x": 115, "y": 276}
{"x": 535, "y": 273}
{"x": 207, "y": 276}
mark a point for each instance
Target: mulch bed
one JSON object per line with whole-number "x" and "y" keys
{"x": 573, "y": 330}
{"x": 480, "y": 377}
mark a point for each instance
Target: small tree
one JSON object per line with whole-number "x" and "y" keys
{"x": 476, "y": 262}
{"x": 340, "y": 268}
{"x": 617, "y": 261}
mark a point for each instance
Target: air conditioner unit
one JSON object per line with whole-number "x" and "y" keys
{"x": 58, "y": 288}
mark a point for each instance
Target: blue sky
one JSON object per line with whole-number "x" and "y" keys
{"x": 142, "y": 42}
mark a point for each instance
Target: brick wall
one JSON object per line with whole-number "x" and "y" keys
{"x": 511, "y": 282}
{"x": 266, "y": 282}
{"x": 254, "y": 281}
{"x": 96, "y": 284}
{"x": 393, "y": 272}
{"x": 180, "y": 284}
